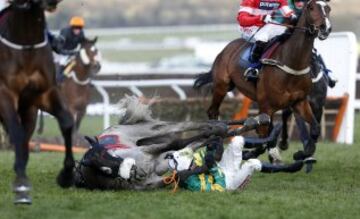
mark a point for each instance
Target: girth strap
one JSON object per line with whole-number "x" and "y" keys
{"x": 23, "y": 47}
{"x": 285, "y": 68}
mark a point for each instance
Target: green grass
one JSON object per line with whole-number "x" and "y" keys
{"x": 332, "y": 190}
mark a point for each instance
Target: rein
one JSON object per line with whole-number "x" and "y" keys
{"x": 172, "y": 180}
{"x": 73, "y": 76}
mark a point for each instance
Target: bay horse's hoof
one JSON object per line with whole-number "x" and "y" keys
{"x": 22, "y": 198}
{"x": 65, "y": 179}
{"x": 284, "y": 145}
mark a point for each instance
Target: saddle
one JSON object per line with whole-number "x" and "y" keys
{"x": 269, "y": 50}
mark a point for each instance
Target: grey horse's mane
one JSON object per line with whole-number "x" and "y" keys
{"x": 133, "y": 111}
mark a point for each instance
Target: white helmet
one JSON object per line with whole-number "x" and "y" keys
{"x": 181, "y": 160}
{"x": 125, "y": 168}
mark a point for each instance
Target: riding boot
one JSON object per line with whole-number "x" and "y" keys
{"x": 60, "y": 73}
{"x": 330, "y": 78}
{"x": 252, "y": 72}
{"x": 328, "y": 73}
{"x": 286, "y": 168}
{"x": 268, "y": 142}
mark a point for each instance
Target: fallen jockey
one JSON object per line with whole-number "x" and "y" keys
{"x": 219, "y": 169}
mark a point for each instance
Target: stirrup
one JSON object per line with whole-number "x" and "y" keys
{"x": 249, "y": 75}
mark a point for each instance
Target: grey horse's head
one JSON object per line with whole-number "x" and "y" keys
{"x": 133, "y": 111}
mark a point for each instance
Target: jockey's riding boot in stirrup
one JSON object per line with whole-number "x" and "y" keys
{"x": 252, "y": 73}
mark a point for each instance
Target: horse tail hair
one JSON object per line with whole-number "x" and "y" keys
{"x": 40, "y": 129}
{"x": 203, "y": 79}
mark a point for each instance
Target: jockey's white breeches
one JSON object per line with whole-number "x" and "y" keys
{"x": 3, "y": 4}
{"x": 237, "y": 175}
{"x": 61, "y": 60}
{"x": 263, "y": 34}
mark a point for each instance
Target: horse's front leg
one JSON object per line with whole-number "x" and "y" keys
{"x": 264, "y": 131}
{"x": 304, "y": 110}
{"x": 52, "y": 103}
{"x": 12, "y": 125}
{"x": 284, "y": 142}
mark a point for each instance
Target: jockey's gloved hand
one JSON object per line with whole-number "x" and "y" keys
{"x": 184, "y": 174}
{"x": 216, "y": 146}
{"x": 267, "y": 19}
{"x": 293, "y": 19}
{"x": 209, "y": 160}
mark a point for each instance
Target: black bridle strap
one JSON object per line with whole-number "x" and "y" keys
{"x": 311, "y": 30}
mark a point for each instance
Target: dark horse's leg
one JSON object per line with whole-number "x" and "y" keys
{"x": 52, "y": 103}
{"x": 12, "y": 124}
{"x": 304, "y": 110}
{"x": 28, "y": 121}
{"x": 284, "y": 142}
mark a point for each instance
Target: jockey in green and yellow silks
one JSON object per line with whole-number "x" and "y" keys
{"x": 214, "y": 180}
{"x": 217, "y": 169}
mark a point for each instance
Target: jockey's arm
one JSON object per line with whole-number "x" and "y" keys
{"x": 247, "y": 16}
{"x": 285, "y": 9}
{"x": 198, "y": 181}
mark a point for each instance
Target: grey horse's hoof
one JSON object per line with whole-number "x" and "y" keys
{"x": 22, "y": 198}
{"x": 309, "y": 164}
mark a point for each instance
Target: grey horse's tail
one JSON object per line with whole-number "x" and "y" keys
{"x": 203, "y": 79}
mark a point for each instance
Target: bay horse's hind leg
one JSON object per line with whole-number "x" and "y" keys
{"x": 220, "y": 90}
{"x": 52, "y": 103}
{"x": 12, "y": 125}
{"x": 304, "y": 110}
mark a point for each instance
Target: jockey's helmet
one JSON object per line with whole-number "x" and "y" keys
{"x": 181, "y": 160}
{"x": 77, "y": 21}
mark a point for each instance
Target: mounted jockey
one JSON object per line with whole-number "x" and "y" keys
{"x": 257, "y": 24}
{"x": 67, "y": 44}
{"x": 216, "y": 169}
{"x": 259, "y": 21}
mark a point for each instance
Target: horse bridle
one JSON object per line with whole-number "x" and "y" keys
{"x": 312, "y": 29}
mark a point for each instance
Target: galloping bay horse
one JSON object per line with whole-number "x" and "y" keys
{"x": 284, "y": 80}
{"x": 76, "y": 88}
{"x": 27, "y": 83}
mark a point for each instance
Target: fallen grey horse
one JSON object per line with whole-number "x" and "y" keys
{"x": 131, "y": 155}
